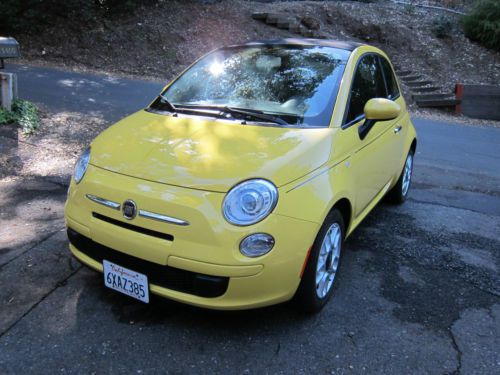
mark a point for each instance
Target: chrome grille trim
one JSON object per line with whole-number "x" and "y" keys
{"x": 104, "y": 202}
{"x": 163, "y": 218}
{"x": 142, "y": 213}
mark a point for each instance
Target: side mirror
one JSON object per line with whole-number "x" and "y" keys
{"x": 378, "y": 109}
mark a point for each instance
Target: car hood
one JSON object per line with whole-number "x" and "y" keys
{"x": 208, "y": 154}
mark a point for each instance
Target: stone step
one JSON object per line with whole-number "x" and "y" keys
{"x": 260, "y": 16}
{"x": 294, "y": 27}
{"x": 438, "y": 103}
{"x": 433, "y": 96}
{"x": 283, "y": 24}
{"x": 425, "y": 89}
{"x": 410, "y": 78}
{"x": 273, "y": 19}
{"x": 418, "y": 83}
{"x": 403, "y": 73}
{"x": 307, "y": 33}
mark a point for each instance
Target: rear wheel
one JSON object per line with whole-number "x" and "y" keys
{"x": 399, "y": 193}
{"x": 321, "y": 272}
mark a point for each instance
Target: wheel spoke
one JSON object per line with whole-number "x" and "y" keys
{"x": 333, "y": 234}
{"x": 323, "y": 284}
{"x": 324, "y": 249}
{"x": 319, "y": 276}
{"x": 322, "y": 263}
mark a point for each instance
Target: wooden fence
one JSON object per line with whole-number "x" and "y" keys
{"x": 479, "y": 101}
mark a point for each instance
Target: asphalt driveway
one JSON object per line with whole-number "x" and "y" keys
{"x": 419, "y": 290}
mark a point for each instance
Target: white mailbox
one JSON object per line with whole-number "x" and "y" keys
{"x": 9, "y": 48}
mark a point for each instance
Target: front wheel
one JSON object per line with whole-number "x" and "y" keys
{"x": 399, "y": 193}
{"x": 321, "y": 272}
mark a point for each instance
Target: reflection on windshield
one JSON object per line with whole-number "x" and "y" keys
{"x": 298, "y": 82}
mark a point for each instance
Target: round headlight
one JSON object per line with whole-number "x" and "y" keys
{"x": 250, "y": 202}
{"x": 81, "y": 165}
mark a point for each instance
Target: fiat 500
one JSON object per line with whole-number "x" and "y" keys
{"x": 237, "y": 186}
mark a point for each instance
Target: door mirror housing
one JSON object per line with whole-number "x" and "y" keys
{"x": 378, "y": 109}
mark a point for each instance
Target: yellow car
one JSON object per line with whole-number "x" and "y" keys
{"x": 238, "y": 185}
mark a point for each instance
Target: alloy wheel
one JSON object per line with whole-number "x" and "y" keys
{"x": 328, "y": 260}
{"x": 407, "y": 174}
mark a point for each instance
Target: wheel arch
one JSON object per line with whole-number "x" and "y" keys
{"x": 413, "y": 146}
{"x": 345, "y": 208}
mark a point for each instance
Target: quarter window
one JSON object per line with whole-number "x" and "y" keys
{"x": 368, "y": 83}
{"x": 390, "y": 79}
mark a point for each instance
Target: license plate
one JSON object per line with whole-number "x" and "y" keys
{"x": 123, "y": 280}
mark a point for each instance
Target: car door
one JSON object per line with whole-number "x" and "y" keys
{"x": 370, "y": 158}
{"x": 396, "y": 139}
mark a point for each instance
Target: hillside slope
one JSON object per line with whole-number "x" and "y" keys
{"x": 159, "y": 41}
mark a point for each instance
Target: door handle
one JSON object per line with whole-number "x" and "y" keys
{"x": 397, "y": 129}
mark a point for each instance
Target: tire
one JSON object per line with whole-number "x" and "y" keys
{"x": 309, "y": 297}
{"x": 399, "y": 193}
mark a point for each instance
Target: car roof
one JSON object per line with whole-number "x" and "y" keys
{"x": 346, "y": 45}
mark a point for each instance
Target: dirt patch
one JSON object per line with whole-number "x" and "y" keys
{"x": 52, "y": 151}
{"x": 161, "y": 40}
{"x": 156, "y": 41}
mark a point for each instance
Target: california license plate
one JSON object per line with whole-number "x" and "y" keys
{"x": 123, "y": 280}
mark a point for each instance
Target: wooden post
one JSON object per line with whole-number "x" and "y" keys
{"x": 459, "y": 93}
{"x": 8, "y": 89}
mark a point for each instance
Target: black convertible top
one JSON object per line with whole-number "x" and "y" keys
{"x": 349, "y": 46}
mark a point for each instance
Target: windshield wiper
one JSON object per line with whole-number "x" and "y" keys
{"x": 171, "y": 107}
{"x": 259, "y": 115}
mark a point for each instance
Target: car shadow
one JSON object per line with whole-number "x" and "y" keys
{"x": 160, "y": 312}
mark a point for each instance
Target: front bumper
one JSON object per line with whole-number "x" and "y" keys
{"x": 201, "y": 256}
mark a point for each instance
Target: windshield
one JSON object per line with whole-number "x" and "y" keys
{"x": 296, "y": 83}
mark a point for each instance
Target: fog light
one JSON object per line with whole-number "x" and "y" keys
{"x": 256, "y": 244}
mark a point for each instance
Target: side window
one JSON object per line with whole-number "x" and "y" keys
{"x": 368, "y": 83}
{"x": 390, "y": 79}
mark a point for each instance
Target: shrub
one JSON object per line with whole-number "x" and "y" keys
{"x": 482, "y": 24}
{"x": 410, "y": 8}
{"x": 24, "y": 113}
{"x": 441, "y": 27}
{"x": 6, "y": 117}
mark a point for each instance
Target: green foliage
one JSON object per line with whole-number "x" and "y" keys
{"x": 24, "y": 113}
{"x": 6, "y": 117}
{"x": 410, "y": 8}
{"x": 442, "y": 27}
{"x": 33, "y": 15}
{"x": 482, "y": 24}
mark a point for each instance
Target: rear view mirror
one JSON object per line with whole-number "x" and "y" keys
{"x": 378, "y": 109}
{"x": 267, "y": 63}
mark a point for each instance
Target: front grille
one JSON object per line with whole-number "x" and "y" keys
{"x": 164, "y": 276}
{"x": 135, "y": 228}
